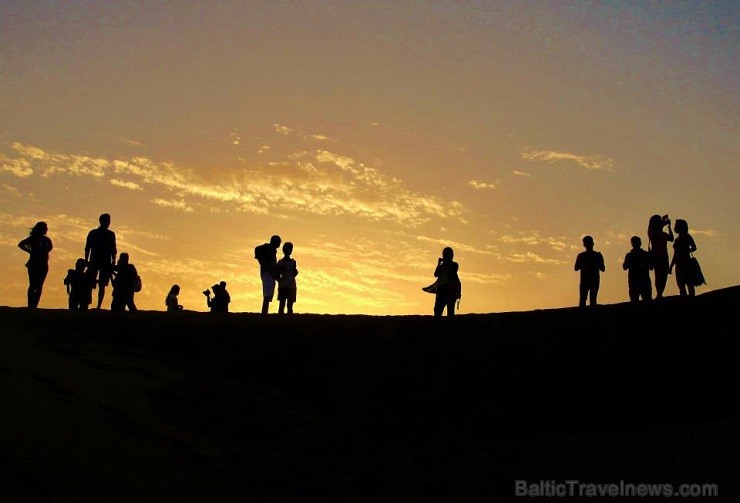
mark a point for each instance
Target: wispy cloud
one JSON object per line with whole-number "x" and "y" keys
{"x": 711, "y": 233}
{"x": 129, "y": 141}
{"x": 13, "y": 190}
{"x": 234, "y": 138}
{"x": 534, "y": 238}
{"x": 20, "y": 167}
{"x": 532, "y": 257}
{"x": 318, "y": 182}
{"x": 283, "y": 130}
{"x": 521, "y": 173}
{"x": 126, "y": 185}
{"x": 175, "y": 204}
{"x": 478, "y": 185}
{"x": 595, "y": 163}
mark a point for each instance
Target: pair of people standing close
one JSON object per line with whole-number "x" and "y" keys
{"x": 100, "y": 255}
{"x": 280, "y": 273}
{"x": 683, "y": 248}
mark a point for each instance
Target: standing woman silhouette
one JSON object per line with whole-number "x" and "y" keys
{"x": 683, "y": 247}
{"x": 37, "y": 245}
{"x": 658, "y": 247}
{"x": 448, "y": 283}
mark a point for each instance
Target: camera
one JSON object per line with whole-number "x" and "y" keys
{"x": 206, "y": 292}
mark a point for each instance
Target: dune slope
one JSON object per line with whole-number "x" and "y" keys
{"x": 156, "y": 406}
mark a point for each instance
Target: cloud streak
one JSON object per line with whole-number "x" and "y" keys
{"x": 317, "y": 182}
{"x": 592, "y": 163}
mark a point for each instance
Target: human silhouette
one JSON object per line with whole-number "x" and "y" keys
{"x": 658, "y": 241}
{"x": 448, "y": 283}
{"x": 79, "y": 286}
{"x": 266, "y": 255}
{"x": 683, "y": 247}
{"x": 590, "y": 263}
{"x": 638, "y": 263}
{"x": 37, "y": 245}
{"x": 100, "y": 254}
{"x": 124, "y": 284}
{"x": 287, "y": 271}
{"x": 171, "y": 301}
{"x": 221, "y": 298}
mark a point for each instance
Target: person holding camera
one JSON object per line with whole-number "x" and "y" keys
{"x": 221, "y": 298}
{"x": 658, "y": 247}
{"x": 448, "y": 283}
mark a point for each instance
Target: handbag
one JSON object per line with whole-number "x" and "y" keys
{"x": 696, "y": 276}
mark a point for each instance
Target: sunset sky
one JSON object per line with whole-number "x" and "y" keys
{"x": 371, "y": 135}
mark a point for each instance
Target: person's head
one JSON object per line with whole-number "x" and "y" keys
{"x": 222, "y": 285}
{"x": 275, "y": 241}
{"x": 288, "y": 248}
{"x": 40, "y": 229}
{"x": 681, "y": 226}
{"x": 104, "y": 220}
{"x": 80, "y": 264}
{"x": 447, "y": 253}
{"x": 123, "y": 258}
{"x": 636, "y": 242}
{"x": 175, "y": 290}
{"x": 655, "y": 224}
{"x": 588, "y": 242}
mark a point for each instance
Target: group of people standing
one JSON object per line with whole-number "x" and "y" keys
{"x": 97, "y": 269}
{"x": 638, "y": 263}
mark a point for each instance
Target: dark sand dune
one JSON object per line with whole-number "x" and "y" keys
{"x": 158, "y": 406}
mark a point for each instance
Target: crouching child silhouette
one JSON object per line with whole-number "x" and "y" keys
{"x": 125, "y": 284}
{"x": 79, "y": 284}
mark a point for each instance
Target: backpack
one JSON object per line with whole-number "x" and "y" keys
{"x": 262, "y": 253}
{"x": 137, "y": 284}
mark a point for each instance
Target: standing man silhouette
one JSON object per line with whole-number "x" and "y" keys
{"x": 100, "y": 254}
{"x": 266, "y": 255}
{"x": 590, "y": 263}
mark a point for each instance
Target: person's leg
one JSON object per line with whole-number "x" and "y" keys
{"x": 680, "y": 281}
{"x": 265, "y": 305}
{"x": 593, "y": 294}
{"x": 451, "y": 308}
{"x": 101, "y": 295}
{"x": 648, "y": 293}
{"x": 36, "y": 277}
{"x": 31, "y": 294}
{"x": 439, "y": 305}
{"x": 130, "y": 302}
{"x": 281, "y": 307}
{"x": 634, "y": 293}
{"x": 582, "y": 294}
{"x": 290, "y": 306}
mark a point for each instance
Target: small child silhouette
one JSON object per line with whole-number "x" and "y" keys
{"x": 287, "y": 271}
